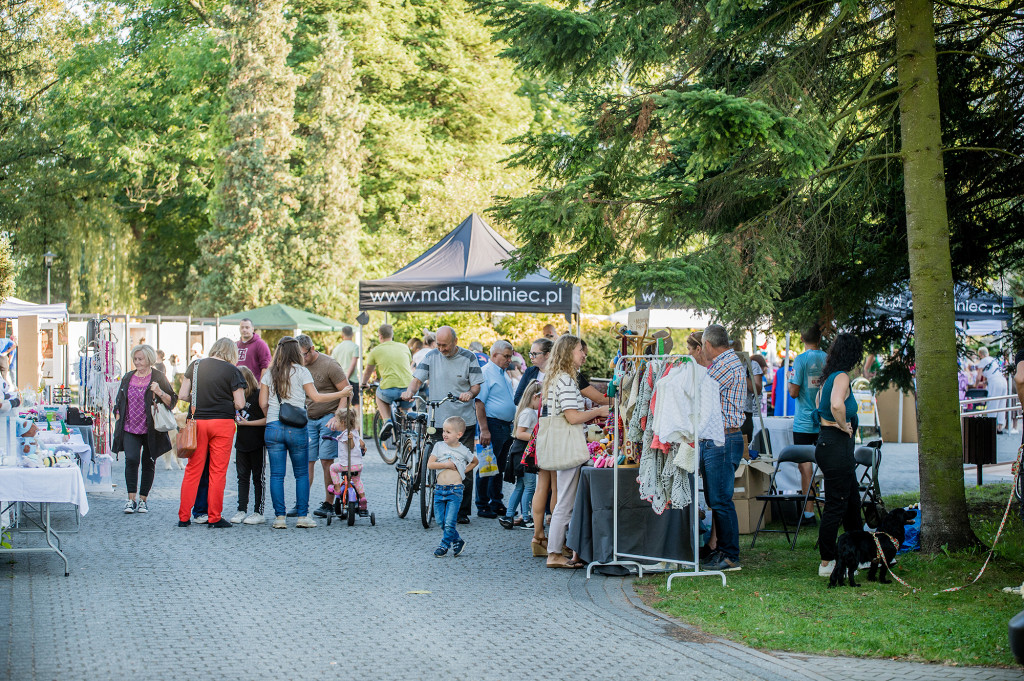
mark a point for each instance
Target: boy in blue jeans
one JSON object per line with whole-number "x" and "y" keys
{"x": 452, "y": 461}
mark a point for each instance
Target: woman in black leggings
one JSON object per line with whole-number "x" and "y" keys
{"x": 837, "y": 412}
{"x": 134, "y": 433}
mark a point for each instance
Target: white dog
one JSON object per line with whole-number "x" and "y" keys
{"x": 171, "y": 457}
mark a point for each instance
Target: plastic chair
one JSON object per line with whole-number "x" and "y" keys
{"x": 797, "y": 454}
{"x": 869, "y": 457}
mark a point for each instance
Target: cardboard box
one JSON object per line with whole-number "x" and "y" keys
{"x": 747, "y": 513}
{"x": 889, "y": 403}
{"x": 752, "y": 478}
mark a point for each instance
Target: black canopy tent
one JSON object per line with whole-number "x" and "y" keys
{"x": 463, "y": 272}
{"x": 969, "y": 305}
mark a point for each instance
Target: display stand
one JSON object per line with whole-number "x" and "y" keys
{"x": 628, "y": 560}
{"x": 97, "y": 368}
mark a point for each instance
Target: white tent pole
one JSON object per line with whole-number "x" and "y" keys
{"x": 784, "y": 390}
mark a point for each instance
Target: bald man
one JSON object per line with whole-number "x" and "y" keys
{"x": 451, "y": 369}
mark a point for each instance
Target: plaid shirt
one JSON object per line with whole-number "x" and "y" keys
{"x": 732, "y": 385}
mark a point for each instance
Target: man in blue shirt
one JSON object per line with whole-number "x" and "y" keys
{"x": 803, "y": 387}
{"x": 495, "y": 411}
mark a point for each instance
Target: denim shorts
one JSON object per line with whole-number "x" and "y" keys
{"x": 390, "y": 395}
{"x": 320, "y": 448}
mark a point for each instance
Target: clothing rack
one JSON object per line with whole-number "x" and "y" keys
{"x": 631, "y": 559}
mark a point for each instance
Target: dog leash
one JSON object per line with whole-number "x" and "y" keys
{"x": 991, "y": 551}
{"x": 881, "y": 556}
{"x": 1002, "y": 523}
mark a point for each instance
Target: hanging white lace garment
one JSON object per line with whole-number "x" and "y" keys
{"x": 681, "y": 397}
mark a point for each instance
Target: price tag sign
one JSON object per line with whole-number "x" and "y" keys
{"x": 638, "y": 321}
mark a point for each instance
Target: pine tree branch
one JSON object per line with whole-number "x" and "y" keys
{"x": 993, "y": 150}
{"x": 982, "y": 55}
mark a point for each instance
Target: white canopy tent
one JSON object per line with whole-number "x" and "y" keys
{"x": 12, "y": 308}
{"x": 40, "y": 353}
{"x": 679, "y": 318}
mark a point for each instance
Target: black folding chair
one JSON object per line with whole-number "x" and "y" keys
{"x": 797, "y": 454}
{"x": 869, "y": 460}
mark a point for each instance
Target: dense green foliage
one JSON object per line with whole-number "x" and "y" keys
{"x": 124, "y": 155}
{"x": 774, "y": 159}
{"x": 743, "y": 156}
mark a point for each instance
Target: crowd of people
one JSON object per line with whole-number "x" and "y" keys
{"x": 300, "y": 405}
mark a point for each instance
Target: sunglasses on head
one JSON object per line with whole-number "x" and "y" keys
{"x": 286, "y": 339}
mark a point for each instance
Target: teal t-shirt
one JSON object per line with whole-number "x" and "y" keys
{"x": 807, "y": 374}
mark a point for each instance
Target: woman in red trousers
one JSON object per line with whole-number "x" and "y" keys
{"x": 219, "y": 392}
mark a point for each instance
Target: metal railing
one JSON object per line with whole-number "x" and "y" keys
{"x": 1010, "y": 398}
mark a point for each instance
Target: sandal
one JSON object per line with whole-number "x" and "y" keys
{"x": 568, "y": 565}
{"x": 540, "y": 547}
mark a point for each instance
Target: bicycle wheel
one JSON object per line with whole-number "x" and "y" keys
{"x": 404, "y": 490}
{"x": 351, "y": 513}
{"x": 428, "y": 478}
{"x": 387, "y": 449}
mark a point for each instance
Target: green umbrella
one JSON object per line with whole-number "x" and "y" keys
{"x": 284, "y": 317}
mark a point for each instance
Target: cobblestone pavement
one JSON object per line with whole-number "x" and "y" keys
{"x": 147, "y": 600}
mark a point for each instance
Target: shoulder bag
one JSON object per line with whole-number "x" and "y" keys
{"x": 290, "y": 415}
{"x": 187, "y": 439}
{"x": 163, "y": 418}
{"x": 560, "y": 445}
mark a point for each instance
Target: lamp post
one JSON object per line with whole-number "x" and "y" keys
{"x": 48, "y": 258}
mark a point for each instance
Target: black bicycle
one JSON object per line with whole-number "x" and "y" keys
{"x": 388, "y": 449}
{"x": 416, "y": 441}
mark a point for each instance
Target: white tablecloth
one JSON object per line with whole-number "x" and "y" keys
{"x": 59, "y": 485}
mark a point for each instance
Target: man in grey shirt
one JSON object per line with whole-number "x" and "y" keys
{"x": 451, "y": 369}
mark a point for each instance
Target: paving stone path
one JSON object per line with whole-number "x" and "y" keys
{"x": 149, "y": 601}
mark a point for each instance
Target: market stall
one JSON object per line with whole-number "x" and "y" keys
{"x": 662, "y": 406}
{"x": 464, "y": 272}
{"x": 41, "y": 352}
{"x": 41, "y": 464}
{"x": 29, "y": 493}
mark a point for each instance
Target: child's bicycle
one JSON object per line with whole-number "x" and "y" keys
{"x": 346, "y": 500}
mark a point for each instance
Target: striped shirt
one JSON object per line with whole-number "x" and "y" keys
{"x": 565, "y": 394}
{"x": 732, "y": 385}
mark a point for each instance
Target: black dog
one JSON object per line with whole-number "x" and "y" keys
{"x": 854, "y": 548}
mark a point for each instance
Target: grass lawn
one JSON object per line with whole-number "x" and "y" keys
{"x": 777, "y": 602}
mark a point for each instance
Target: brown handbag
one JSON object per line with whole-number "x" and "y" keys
{"x": 187, "y": 439}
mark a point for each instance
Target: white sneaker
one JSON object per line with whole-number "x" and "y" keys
{"x": 826, "y": 570}
{"x": 280, "y": 522}
{"x": 255, "y": 519}
{"x": 201, "y": 519}
{"x": 129, "y": 506}
{"x": 238, "y": 517}
{"x": 141, "y": 507}
{"x": 305, "y": 521}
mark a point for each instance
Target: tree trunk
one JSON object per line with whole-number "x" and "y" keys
{"x": 940, "y": 457}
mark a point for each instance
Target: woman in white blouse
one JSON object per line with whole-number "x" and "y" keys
{"x": 288, "y": 382}
{"x": 562, "y": 394}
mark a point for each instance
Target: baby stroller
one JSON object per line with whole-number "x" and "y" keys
{"x": 346, "y": 499}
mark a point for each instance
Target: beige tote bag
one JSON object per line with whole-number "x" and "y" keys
{"x": 560, "y": 445}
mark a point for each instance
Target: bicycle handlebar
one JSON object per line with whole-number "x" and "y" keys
{"x": 450, "y": 398}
